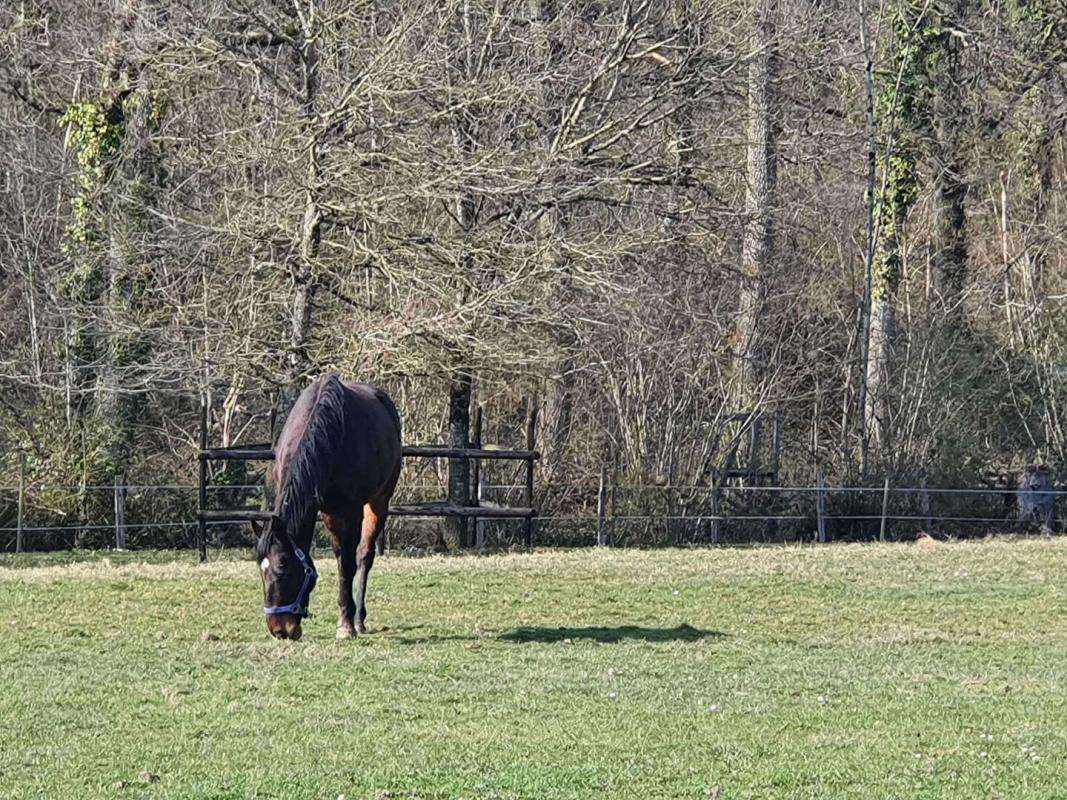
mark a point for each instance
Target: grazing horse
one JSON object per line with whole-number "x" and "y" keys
{"x": 339, "y": 453}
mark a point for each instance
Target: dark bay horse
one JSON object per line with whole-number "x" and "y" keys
{"x": 339, "y": 453}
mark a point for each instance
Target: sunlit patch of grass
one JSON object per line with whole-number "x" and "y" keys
{"x": 840, "y": 671}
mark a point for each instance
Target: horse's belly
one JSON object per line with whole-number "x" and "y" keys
{"x": 345, "y": 500}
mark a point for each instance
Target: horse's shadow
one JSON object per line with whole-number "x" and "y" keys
{"x": 609, "y": 635}
{"x": 593, "y": 633}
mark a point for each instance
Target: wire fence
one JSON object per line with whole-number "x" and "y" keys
{"x": 129, "y": 516}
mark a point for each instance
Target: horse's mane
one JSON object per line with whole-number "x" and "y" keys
{"x": 309, "y": 469}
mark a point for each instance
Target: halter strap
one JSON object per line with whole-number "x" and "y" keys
{"x": 303, "y": 598}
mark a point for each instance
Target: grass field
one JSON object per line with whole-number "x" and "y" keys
{"x": 858, "y": 671}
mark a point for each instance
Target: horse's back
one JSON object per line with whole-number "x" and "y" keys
{"x": 372, "y": 432}
{"x": 371, "y": 397}
{"x": 363, "y": 460}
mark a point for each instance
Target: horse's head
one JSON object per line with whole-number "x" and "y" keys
{"x": 288, "y": 575}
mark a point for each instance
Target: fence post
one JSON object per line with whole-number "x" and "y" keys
{"x": 755, "y": 434}
{"x": 273, "y": 420}
{"x": 21, "y": 502}
{"x": 716, "y": 510}
{"x": 928, "y": 519}
{"x": 601, "y": 508}
{"x": 479, "y": 523}
{"x": 885, "y": 506}
{"x": 120, "y": 512}
{"x": 531, "y": 430}
{"x": 201, "y": 529}
{"x": 476, "y": 483}
{"x": 820, "y": 507}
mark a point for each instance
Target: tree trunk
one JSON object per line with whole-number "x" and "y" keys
{"x": 110, "y": 248}
{"x": 459, "y": 393}
{"x": 949, "y": 236}
{"x": 1039, "y": 157}
{"x": 950, "y": 188}
{"x": 900, "y": 190}
{"x": 551, "y": 230}
{"x": 899, "y": 95}
{"x": 136, "y": 187}
{"x": 870, "y": 197}
{"x": 880, "y": 368}
{"x": 300, "y": 365}
{"x": 459, "y": 426}
{"x": 1039, "y": 334}
{"x": 462, "y": 129}
{"x": 758, "y": 243}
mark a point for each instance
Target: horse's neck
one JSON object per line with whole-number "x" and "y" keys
{"x": 303, "y": 532}
{"x": 299, "y": 514}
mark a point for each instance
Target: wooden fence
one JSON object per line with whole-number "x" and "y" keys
{"x": 476, "y": 508}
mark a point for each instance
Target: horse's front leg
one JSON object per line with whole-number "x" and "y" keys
{"x": 344, "y": 532}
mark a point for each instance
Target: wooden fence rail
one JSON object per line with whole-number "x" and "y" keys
{"x": 473, "y": 511}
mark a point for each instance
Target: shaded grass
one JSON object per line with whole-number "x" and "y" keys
{"x": 845, "y": 671}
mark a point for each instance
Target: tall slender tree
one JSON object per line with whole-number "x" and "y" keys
{"x": 902, "y": 97}
{"x": 757, "y": 251}
{"x": 303, "y": 262}
{"x": 949, "y": 168}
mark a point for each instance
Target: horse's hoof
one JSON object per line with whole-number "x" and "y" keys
{"x": 361, "y": 628}
{"x": 345, "y": 632}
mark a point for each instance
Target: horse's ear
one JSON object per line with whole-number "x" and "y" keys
{"x": 257, "y": 527}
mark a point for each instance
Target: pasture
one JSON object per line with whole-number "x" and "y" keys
{"x": 836, "y": 672}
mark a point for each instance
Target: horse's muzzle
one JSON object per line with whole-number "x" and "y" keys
{"x": 284, "y": 626}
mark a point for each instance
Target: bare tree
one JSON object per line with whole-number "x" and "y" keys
{"x": 761, "y": 177}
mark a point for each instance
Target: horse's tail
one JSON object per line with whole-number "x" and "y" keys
{"x": 316, "y": 454}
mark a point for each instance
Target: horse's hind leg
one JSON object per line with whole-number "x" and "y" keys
{"x": 374, "y": 514}
{"x": 344, "y": 528}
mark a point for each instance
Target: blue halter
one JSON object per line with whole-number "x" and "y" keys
{"x": 303, "y": 598}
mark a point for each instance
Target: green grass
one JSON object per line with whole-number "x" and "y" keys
{"x": 851, "y": 671}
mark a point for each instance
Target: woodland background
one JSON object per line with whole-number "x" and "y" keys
{"x": 643, "y": 218}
